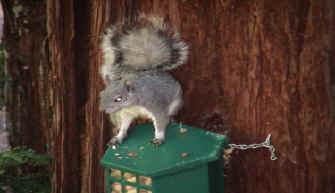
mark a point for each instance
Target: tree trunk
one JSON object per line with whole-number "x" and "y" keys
{"x": 65, "y": 131}
{"x": 266, "y": 66}
{"x": 27, "y": 68}
{"x": 276, "y": 74}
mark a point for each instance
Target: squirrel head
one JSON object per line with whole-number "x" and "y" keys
{"x": 117, "y": 95}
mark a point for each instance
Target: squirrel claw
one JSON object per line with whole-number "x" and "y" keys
{"x": 114, "y": 141}
{"x": 157, "y": 142}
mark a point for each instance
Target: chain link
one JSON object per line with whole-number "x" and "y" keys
{"x": 265, "y": 144}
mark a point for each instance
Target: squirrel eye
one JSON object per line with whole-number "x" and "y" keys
{"x": 118, "y": 99}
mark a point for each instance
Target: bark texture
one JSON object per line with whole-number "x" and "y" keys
{"x": 64, "y": 132}
{"x": 278, "y": 83}
{"x": 265, "y": 66}
{"x": 27, "y": 71}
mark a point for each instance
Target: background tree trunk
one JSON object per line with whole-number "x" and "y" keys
{"x": 266, "y": 66}
{"x": 27, "y": 69}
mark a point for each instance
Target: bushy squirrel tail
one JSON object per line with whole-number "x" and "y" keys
{"x": 146, "y": 44}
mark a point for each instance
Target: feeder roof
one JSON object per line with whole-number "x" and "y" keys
{"x": 184, "y": 147}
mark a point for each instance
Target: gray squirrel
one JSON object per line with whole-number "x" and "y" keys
{"x": 136, "y": 58}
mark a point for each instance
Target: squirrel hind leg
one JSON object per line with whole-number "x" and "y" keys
{"x": 160, "y": 124}
{"x": 114, "y": 141}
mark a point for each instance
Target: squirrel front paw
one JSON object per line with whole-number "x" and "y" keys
{"x": 115, "y": 141}
{"x": 157, "y": 141}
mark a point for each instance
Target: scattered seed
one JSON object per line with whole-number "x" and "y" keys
{"x": 184, "y": 154}
{"x": 182, "y": 130}
{"x": 132, "y": 154}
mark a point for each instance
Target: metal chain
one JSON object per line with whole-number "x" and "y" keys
{"x": 265, "y": 144}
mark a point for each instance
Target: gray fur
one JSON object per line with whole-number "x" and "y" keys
{"x": 149, "y": 46}
{"x": 143, "y": 85}
{"x": 135, "y": 61}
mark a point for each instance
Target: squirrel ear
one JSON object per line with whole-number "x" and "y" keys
{"x": 129, "y": 86}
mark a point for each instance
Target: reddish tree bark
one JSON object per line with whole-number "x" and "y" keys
{"x": 26, "y": 94}
{"x": 64, "y": 132}
{"x": 93, "y": 138}
{"x": 278, "y": 83}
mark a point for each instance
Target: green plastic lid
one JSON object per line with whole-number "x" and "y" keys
{"x": 184, "y": 147}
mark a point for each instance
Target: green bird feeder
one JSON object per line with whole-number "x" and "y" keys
{"x": 189, "y": 161}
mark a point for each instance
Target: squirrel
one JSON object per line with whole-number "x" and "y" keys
{"x": 136, "y": 58}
